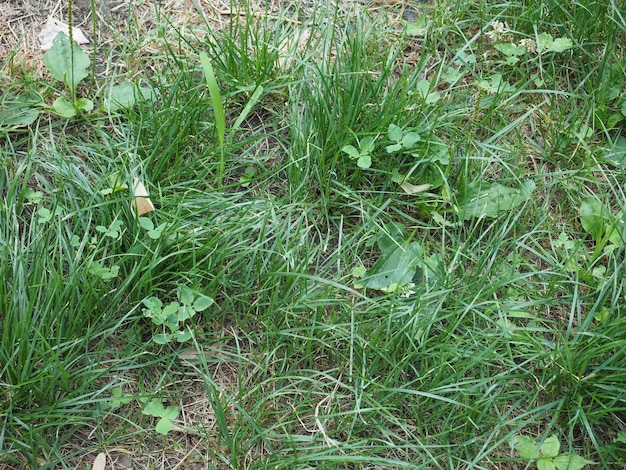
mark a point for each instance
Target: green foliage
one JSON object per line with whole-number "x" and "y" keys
{"x": 362, "y": 155}
{"x": 165, "y": 414}
{"x": 125, "y": 95}
{"x": 546, "y": 456}
{"x": 480, "y": 199}
{"x": 69, "y": 64}
{"x": 401, "y": 263}
{"x": 416, "y": 243}
{"x": 173, "y": 315}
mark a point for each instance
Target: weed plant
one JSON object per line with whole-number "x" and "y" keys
{"x": 454, "y": 299}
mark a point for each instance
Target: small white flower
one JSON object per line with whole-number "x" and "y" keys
{"x": 529, "y": 44}
{"x": 498, "y": 31}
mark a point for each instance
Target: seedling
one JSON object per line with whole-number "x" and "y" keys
{"x": 606, "y": 228}
{"x": 69, "y": 64}
{"x": 362, "y": 155}
{"x": 399, "y": 263}
{"x": 113, "y": 231}
{"x": 166, "y": 414}
{"x": 430, "y": 154}
{"x": 423, "y": 89}
{"x": 546, "y": 456}
{"x": 104, "y": 273}
{"x": 172, "y": 315}
{"x": 153, "y": 232}
{"x": 118, "y": 399}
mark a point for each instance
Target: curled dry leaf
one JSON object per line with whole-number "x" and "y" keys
{"x": 53, "y": 27}
{"x": 142, "y": 203}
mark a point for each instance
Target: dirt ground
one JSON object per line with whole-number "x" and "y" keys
{"x": 21, "y": 21}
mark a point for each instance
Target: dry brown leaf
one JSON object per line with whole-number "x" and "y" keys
{"x": 53, "y": 27}
{"x": 142, "y": 202}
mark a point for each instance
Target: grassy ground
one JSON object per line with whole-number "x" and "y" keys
{"x": 386, "y": 236}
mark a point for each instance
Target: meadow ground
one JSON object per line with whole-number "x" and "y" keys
{"x": 380, "y": 235}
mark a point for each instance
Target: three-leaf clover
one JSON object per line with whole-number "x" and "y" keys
{"x": 363, "y": 155}
{"x": 155, "y": 408}
{"x": 546, "y": 455}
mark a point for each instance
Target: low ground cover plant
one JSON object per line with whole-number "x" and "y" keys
{"x": 373, "y": 236}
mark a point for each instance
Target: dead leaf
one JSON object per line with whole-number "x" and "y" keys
{"x": 53, "y": 27}
{"x": 414, "y": 189}
{"x": 100, "y": 462}
{"x": 142, "y": 202}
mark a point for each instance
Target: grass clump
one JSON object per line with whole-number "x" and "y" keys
{"x": 381, "y": 238}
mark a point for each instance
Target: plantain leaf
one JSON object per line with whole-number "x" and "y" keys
{"x": 66, "y": 62}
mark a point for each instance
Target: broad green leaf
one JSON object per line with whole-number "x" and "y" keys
{"x": 545, "y": 463}
{"x": 496, "y": 84}
{"x": 550, "y": 447}
{"x": 84, "y": 104}
{"x": 364, "y": 161}
{"x": 391, "y": 237}
{"x": 423, "y": 89}
{"x": 543, "y": 41}
{"x": 618, "y": 153}
{"x": 162, "y": 338}
{"x": 146, "y": 223}
{"x": 19, "y": 111}
{"x": 170, "y": 311}
{"x": 185, "y": 312}
{"x": 415, "y": 189}
{"x": 561, "y": 45}
{"x": 185, "y": 295}
{"x": 156, "y": 233}
{"x": 570, "y": 462}
{"x": 117, "y": 399}
{"x": 33, "y": 196}
{"x": 546, "y": 43}
{"x": 171, "y": 412}
{"x": 202, "y": 302}
{"x": 63, "y": 65}
{"x": 44, "y": 215}
{"x": 510, "y": 49}
{"x": 64, "y": 108}
{"x": 124, "y": 96}
{"x": 393, "y": 148}
{"x": 397, "y": 268}
{"x": 153, "y": 303}
{"x": 164, "y": 426}
{"x": 491, "y": 200}
{"x": 183, "y": 336}
{"x": 351, "y": 151}
{"x": 410, "y": 139}
{"x": 154, "y": 408}
{"x": 367, "y": 144}
{"x": 593, "y": 216}
{"x": 418, "y": 27}
{"x": 394, "y": 133}
{"x": 104, "y": 273}
{"x": 526, "y": 447}
{"x": 431, "y": 148}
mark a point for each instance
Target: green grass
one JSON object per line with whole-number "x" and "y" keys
{"x": 513, "y": 323}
